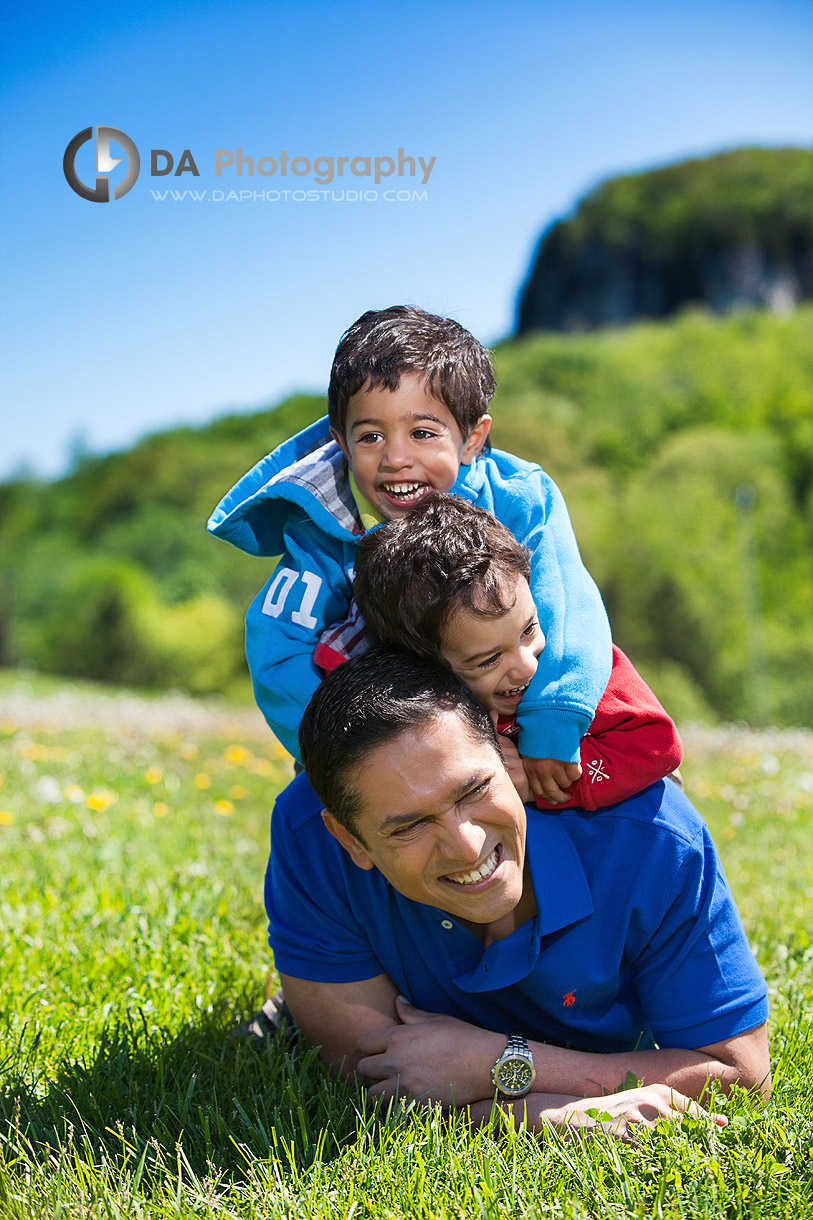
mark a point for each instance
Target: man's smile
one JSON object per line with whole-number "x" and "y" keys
{"x": 484, "y": 871}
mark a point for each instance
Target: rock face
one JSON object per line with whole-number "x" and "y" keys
{"x": 728, "y": 232}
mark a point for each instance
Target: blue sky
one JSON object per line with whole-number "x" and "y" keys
{"x": 128, "y": 317}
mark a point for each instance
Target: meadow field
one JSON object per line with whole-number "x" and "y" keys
{"x": 134, "y": 836}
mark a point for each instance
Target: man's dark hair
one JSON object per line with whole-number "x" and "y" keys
{"x": 368, "y": 702}
{"x": 414, "y": 573}
{"x": 386, "y": 343}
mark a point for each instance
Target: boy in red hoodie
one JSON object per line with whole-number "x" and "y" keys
{"x": 449, "y": 582}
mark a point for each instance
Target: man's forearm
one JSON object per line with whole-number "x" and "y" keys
{"x": 448, "y": 1060}
{"x": 688, "y": 1071}
{"x": 582, "y": 1074}
{"x": 564, "y": 1078}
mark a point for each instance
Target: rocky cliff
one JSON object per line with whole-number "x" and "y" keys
{"x": 728, "y": 232}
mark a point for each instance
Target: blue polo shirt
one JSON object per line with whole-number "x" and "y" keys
{"x": 636, "y": 942}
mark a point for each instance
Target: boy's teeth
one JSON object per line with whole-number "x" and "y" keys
{"x": 515, "y": 690}
{"x": 402, "y": 489}
{"x": 485, "y": 870}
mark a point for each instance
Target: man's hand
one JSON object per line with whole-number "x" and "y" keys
{"x": 513, "y": 764}
{"x": 550, "y": 778}
{"x": 430, "y": 1057}
{"x": 625, "y": 1111}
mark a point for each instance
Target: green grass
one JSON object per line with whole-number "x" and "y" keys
{"x": 134, "y": 836}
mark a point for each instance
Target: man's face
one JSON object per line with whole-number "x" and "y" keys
{"x": 401, "y": 444}
{"x": 442, "y": 821}
{"x": 496, "y": 657}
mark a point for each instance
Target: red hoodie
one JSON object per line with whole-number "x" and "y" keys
{"x": 631, "y": 743}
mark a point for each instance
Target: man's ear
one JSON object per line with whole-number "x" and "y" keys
{"x": 356, "y": 850}
{"x": 475, "y": 440}
{"x": 340, "y": 441}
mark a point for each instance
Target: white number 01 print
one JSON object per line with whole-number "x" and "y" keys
{"x": 281, "y": 586}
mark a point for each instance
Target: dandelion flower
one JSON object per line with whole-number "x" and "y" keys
{"x": 100, "y": 800}
{"x": 236, "y": 754}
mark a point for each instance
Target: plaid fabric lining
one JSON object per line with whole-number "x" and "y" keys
{"x": 323, "y": 472}
{"x": 341, "y": 641}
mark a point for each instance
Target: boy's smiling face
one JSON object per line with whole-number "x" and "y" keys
{"x": 496, "y": 657}
{"x": 401, "y": 444}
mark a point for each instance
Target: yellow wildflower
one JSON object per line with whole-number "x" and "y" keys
{"x": 32, "y": 749}
{"x": 237, "y": 792}
{"x": 6, "y": 817}
{"x": 202, "y": 780}
{"x": 160, "y": 809}
{"x": 224, "y": 808}
{"x": 189, "y": 750}
{"x": 99, "y": 800}
{"x": 154, "y": 775}
{"x": 236, "y": 755}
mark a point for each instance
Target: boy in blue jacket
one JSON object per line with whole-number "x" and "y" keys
{"x": 408, "y": 414}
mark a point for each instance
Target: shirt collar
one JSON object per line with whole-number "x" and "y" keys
{"x": 562, "y": 898}
{"x": 561, "y": 888}
{"x": 368, "y": 514}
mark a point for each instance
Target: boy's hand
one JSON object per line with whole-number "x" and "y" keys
{"x": 549, "y": 777}
{"x": 513, "y": 765}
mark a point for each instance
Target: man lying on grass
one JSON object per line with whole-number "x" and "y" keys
{"x": 443, "y": 941}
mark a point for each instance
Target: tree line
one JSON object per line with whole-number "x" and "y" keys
{"x": 684, "y": 450}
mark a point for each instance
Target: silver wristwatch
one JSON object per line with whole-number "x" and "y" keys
{"x": 514, "y": 1072}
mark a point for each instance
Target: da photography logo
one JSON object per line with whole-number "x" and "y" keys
{"x": 105, "y": 164}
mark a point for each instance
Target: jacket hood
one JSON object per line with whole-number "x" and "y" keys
{"x": 308, "y": 470}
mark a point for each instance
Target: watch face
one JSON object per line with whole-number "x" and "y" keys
{"x": 515, "y": 1076}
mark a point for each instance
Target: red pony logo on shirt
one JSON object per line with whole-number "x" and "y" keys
{"x": 570, "y": 999}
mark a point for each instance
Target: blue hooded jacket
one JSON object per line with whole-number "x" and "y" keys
{"x": 297, "y": 503}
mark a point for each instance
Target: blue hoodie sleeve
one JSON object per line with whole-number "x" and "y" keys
{"x": 308, "y": 590}
{"x": 559, "y": 705}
